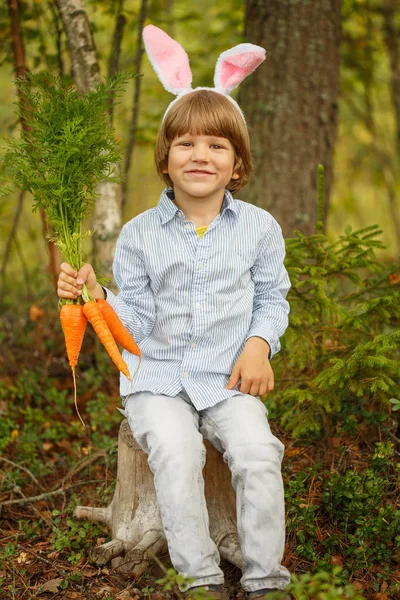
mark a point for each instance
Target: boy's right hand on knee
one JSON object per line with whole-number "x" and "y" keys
{"x": 70, "y": 282}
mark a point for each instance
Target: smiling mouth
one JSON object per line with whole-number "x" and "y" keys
{"x": 198, "y": 172}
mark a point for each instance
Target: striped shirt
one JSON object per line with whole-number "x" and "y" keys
{"x": 191, "y": 303}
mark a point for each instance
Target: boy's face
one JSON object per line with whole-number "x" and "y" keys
{"x": 200, "y": 166}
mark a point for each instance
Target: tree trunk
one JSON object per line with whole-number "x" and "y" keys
{"x": 134, "y": 517}
{"x": 107, "y": 218}
{"x": 291, "y": 105}
{"x": 135, "y": 105}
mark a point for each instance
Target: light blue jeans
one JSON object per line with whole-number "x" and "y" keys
{"x": 171, "y": 431}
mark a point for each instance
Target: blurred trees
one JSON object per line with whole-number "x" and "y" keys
{"x": 292, "y": 125}
{"x": 291, "y": 103}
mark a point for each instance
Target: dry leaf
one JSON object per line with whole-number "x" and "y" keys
{"x": 293, "y": 452}
{"x": 35, "y": 313}
{"x": 394, "y": 278}
{"x": 23, "y": 557}
{"x": 52, "y": 586}
{"x": 124, "y": 595}
{"x": 104, "y": 590}
{"x": 46, "y": 446}
{"x": 53, "y": 554}
{"x": 337, "y": 560}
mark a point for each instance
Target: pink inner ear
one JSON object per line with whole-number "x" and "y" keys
{"x": 169, "y": 57}
{"x": 238, "y": 66}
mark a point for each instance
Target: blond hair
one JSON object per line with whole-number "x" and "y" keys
{"x": 204, "y": 112}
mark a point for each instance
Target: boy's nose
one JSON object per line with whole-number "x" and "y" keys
{"x": 200, "y": 153}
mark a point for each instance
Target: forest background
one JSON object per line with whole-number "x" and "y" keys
{"x": 329, "y": 93}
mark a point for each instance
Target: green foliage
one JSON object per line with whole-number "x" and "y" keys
{"x": 322, "y": 585}
{"x": 341, "y": 351}
{"x": 359, "y": 509}
{"x": 71, "y": 537}
{"x": 69, "y": 147}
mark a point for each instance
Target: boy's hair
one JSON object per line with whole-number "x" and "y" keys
{"x": 204, "y": 112}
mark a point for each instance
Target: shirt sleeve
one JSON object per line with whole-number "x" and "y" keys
{"x": 134, "y": 304}
{"x": 270, "y": 307}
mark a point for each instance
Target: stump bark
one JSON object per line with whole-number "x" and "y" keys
{"x": 134, "y": 516}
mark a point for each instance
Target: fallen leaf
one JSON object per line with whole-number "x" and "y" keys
{"x": 46, "y": 446}
{"x": 53, "y": 554}
{"x": 337, "y": 560}
{"x": 124, "y": 595}
{"x": 23, "y": 557}
{"x": 104, "y": 590}
{"x": 394, "y": 278}
{"x": 35, "y": 313}
{"x": 359, "y": 585}
{"x": 51, "y": 586}
{"x": 293, "y": 452}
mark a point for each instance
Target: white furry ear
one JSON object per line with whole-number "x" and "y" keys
{"x": 168, "y": 58}
{"x": 236, "y": 64}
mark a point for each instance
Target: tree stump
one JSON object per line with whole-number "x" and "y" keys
{"x": 134, "y": 516}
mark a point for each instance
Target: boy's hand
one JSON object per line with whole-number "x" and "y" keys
{"x": 253, "y": 368}
{"x": 70, "y": 282}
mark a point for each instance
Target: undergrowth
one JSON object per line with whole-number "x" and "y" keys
{"x": 335, "y": 406}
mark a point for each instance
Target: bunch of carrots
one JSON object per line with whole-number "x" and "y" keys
{"x": 108, "y": 327}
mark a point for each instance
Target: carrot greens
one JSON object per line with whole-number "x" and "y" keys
{"x": 69, "y": 148}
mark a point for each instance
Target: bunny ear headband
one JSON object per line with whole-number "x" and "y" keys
{"x": 171, "y": 64}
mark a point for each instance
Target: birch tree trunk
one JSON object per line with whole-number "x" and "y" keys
{"x": 85, "y": 68}
{"x": 291, "y": 105}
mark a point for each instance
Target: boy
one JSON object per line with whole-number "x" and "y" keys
{"x": 202, "y": 290}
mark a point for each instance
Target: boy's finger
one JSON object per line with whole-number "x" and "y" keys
{"x": 66, "y": 268}
{"x": 263, "y": 389}
{"x": 246, "y": 386}
{"x": 270, "y": 384}
{"x": 254, "y": 389}
{"x": 83, "y": 274}
{"x": 233, "y": 379}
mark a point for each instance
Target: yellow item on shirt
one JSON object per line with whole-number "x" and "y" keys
{"x": 201, "y": 231}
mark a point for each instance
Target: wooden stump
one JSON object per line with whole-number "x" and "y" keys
{"x": 134, "y": 517}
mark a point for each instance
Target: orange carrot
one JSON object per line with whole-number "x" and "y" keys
{"x": 73, "y": 323}
{"x": 120, "y": 333}
{"x": 94, "y": 315}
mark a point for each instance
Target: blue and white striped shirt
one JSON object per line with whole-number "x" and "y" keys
{"x": 191, "y": 303}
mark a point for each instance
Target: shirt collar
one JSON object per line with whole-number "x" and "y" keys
{"x": 167, "y": 208}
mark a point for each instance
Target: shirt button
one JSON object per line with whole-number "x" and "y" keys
{"x": 200, "y": 265}
{"x": 193, "y": 344}
{"x": 185, "y": 375}
{"x": 198, "y": 306}
{"x": 187, "y": 225}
